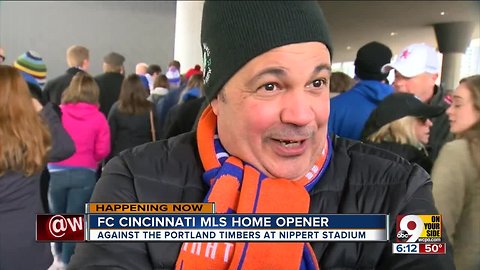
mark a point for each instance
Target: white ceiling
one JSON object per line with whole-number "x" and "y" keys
{"x": 355, "y": 23}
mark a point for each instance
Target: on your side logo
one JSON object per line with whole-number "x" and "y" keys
{"x": 419, "y": 228}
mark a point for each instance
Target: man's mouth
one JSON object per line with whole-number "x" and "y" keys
{"x": 290, "y": 143}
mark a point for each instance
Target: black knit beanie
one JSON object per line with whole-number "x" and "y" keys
{"x": 370, "y": 59}
{"x": 234, "y": 32}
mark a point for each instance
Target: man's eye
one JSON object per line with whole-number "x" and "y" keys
{"x": 269, "y": 86}
{"x": 319, "y": 83}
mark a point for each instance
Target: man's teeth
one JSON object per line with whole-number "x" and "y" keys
{"x": 290, "y": 143}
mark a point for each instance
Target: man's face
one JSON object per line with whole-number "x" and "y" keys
{"x": 273, "y": 112}
{"x": 420, "y": 85}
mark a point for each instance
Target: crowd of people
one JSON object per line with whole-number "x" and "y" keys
{"x": 262, "y": 119}
{"x": 91, "y": 119}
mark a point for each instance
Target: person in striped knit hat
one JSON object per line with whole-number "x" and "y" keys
{"x": 32, "y": 67}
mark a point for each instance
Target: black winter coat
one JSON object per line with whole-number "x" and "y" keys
{"x": 440, "y": 130}
{"x": 128, "y": 130}
{"x": 359, "y": 179}
{"x": 54, "y": 88}
{"x": 408, "y": 152}
{"x": 110, "y": 84}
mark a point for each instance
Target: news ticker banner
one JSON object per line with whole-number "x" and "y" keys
{"x": 236, "y": 227}
{"x": 197, "y": 222}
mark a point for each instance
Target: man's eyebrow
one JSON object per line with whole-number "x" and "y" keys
{"x": 279, "y": 72}
{"x": 275, "y": 71}
{"x": 321, "y": 68}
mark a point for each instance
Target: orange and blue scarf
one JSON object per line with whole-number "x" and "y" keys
{"x": 237, "y": 187}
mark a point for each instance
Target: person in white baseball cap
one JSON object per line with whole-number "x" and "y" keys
{"x": 414, "y": 60}
{"x": 416, "y": 70}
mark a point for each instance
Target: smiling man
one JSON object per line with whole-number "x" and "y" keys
{"x": 273, "y": 112}
{"x": 261, "y": 146}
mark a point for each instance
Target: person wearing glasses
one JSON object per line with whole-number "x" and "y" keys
{"x": 401, "y": 124}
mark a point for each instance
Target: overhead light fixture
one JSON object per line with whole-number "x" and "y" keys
{"x": 348, "y": 47}
{"x": 442, "y": 13}
{"x": 393, "y": 34}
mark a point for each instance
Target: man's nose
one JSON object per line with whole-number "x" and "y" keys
{"x": 399, "y": 84}
{"x": 297, "y": 108}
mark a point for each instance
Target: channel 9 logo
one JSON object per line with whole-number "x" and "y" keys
{"x": 60, "y": 228}
{"x": 419, "y": 228}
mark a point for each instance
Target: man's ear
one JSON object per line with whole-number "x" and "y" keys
{"x": 214, "y": 104}
{"x": 86, "y": 64}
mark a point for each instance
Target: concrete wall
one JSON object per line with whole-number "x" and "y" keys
{"x": 142, "y": 31}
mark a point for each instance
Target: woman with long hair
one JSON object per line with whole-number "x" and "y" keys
{"x": 193, "y": 89}
{"x": 130, "y": 117}
{"x": 72, "y": 180}
{"x": 31, "y": 135}
{"x": 456, "y": 175}
{"x": 401, "y": 124}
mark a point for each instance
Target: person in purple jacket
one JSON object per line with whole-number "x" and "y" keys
{"x": 72, "y": 180}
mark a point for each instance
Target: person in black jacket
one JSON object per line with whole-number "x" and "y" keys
{"x": 181, "y": 118}
{"x": 401, "y": 124}
{"x": 110, "y": 82}
{"x": 129, "y": 118}
{"x": 263, "y": 140}
{"x": 78, "y": 58}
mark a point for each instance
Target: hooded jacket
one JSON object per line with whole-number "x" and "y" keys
{"x": 359, "y": 179}
{"x": 157, "y": 94}
{"x": 89, "y": 129}
{"x": 350, "y": 110}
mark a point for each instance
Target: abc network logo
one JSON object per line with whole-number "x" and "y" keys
{"x": 61, "y": 227}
